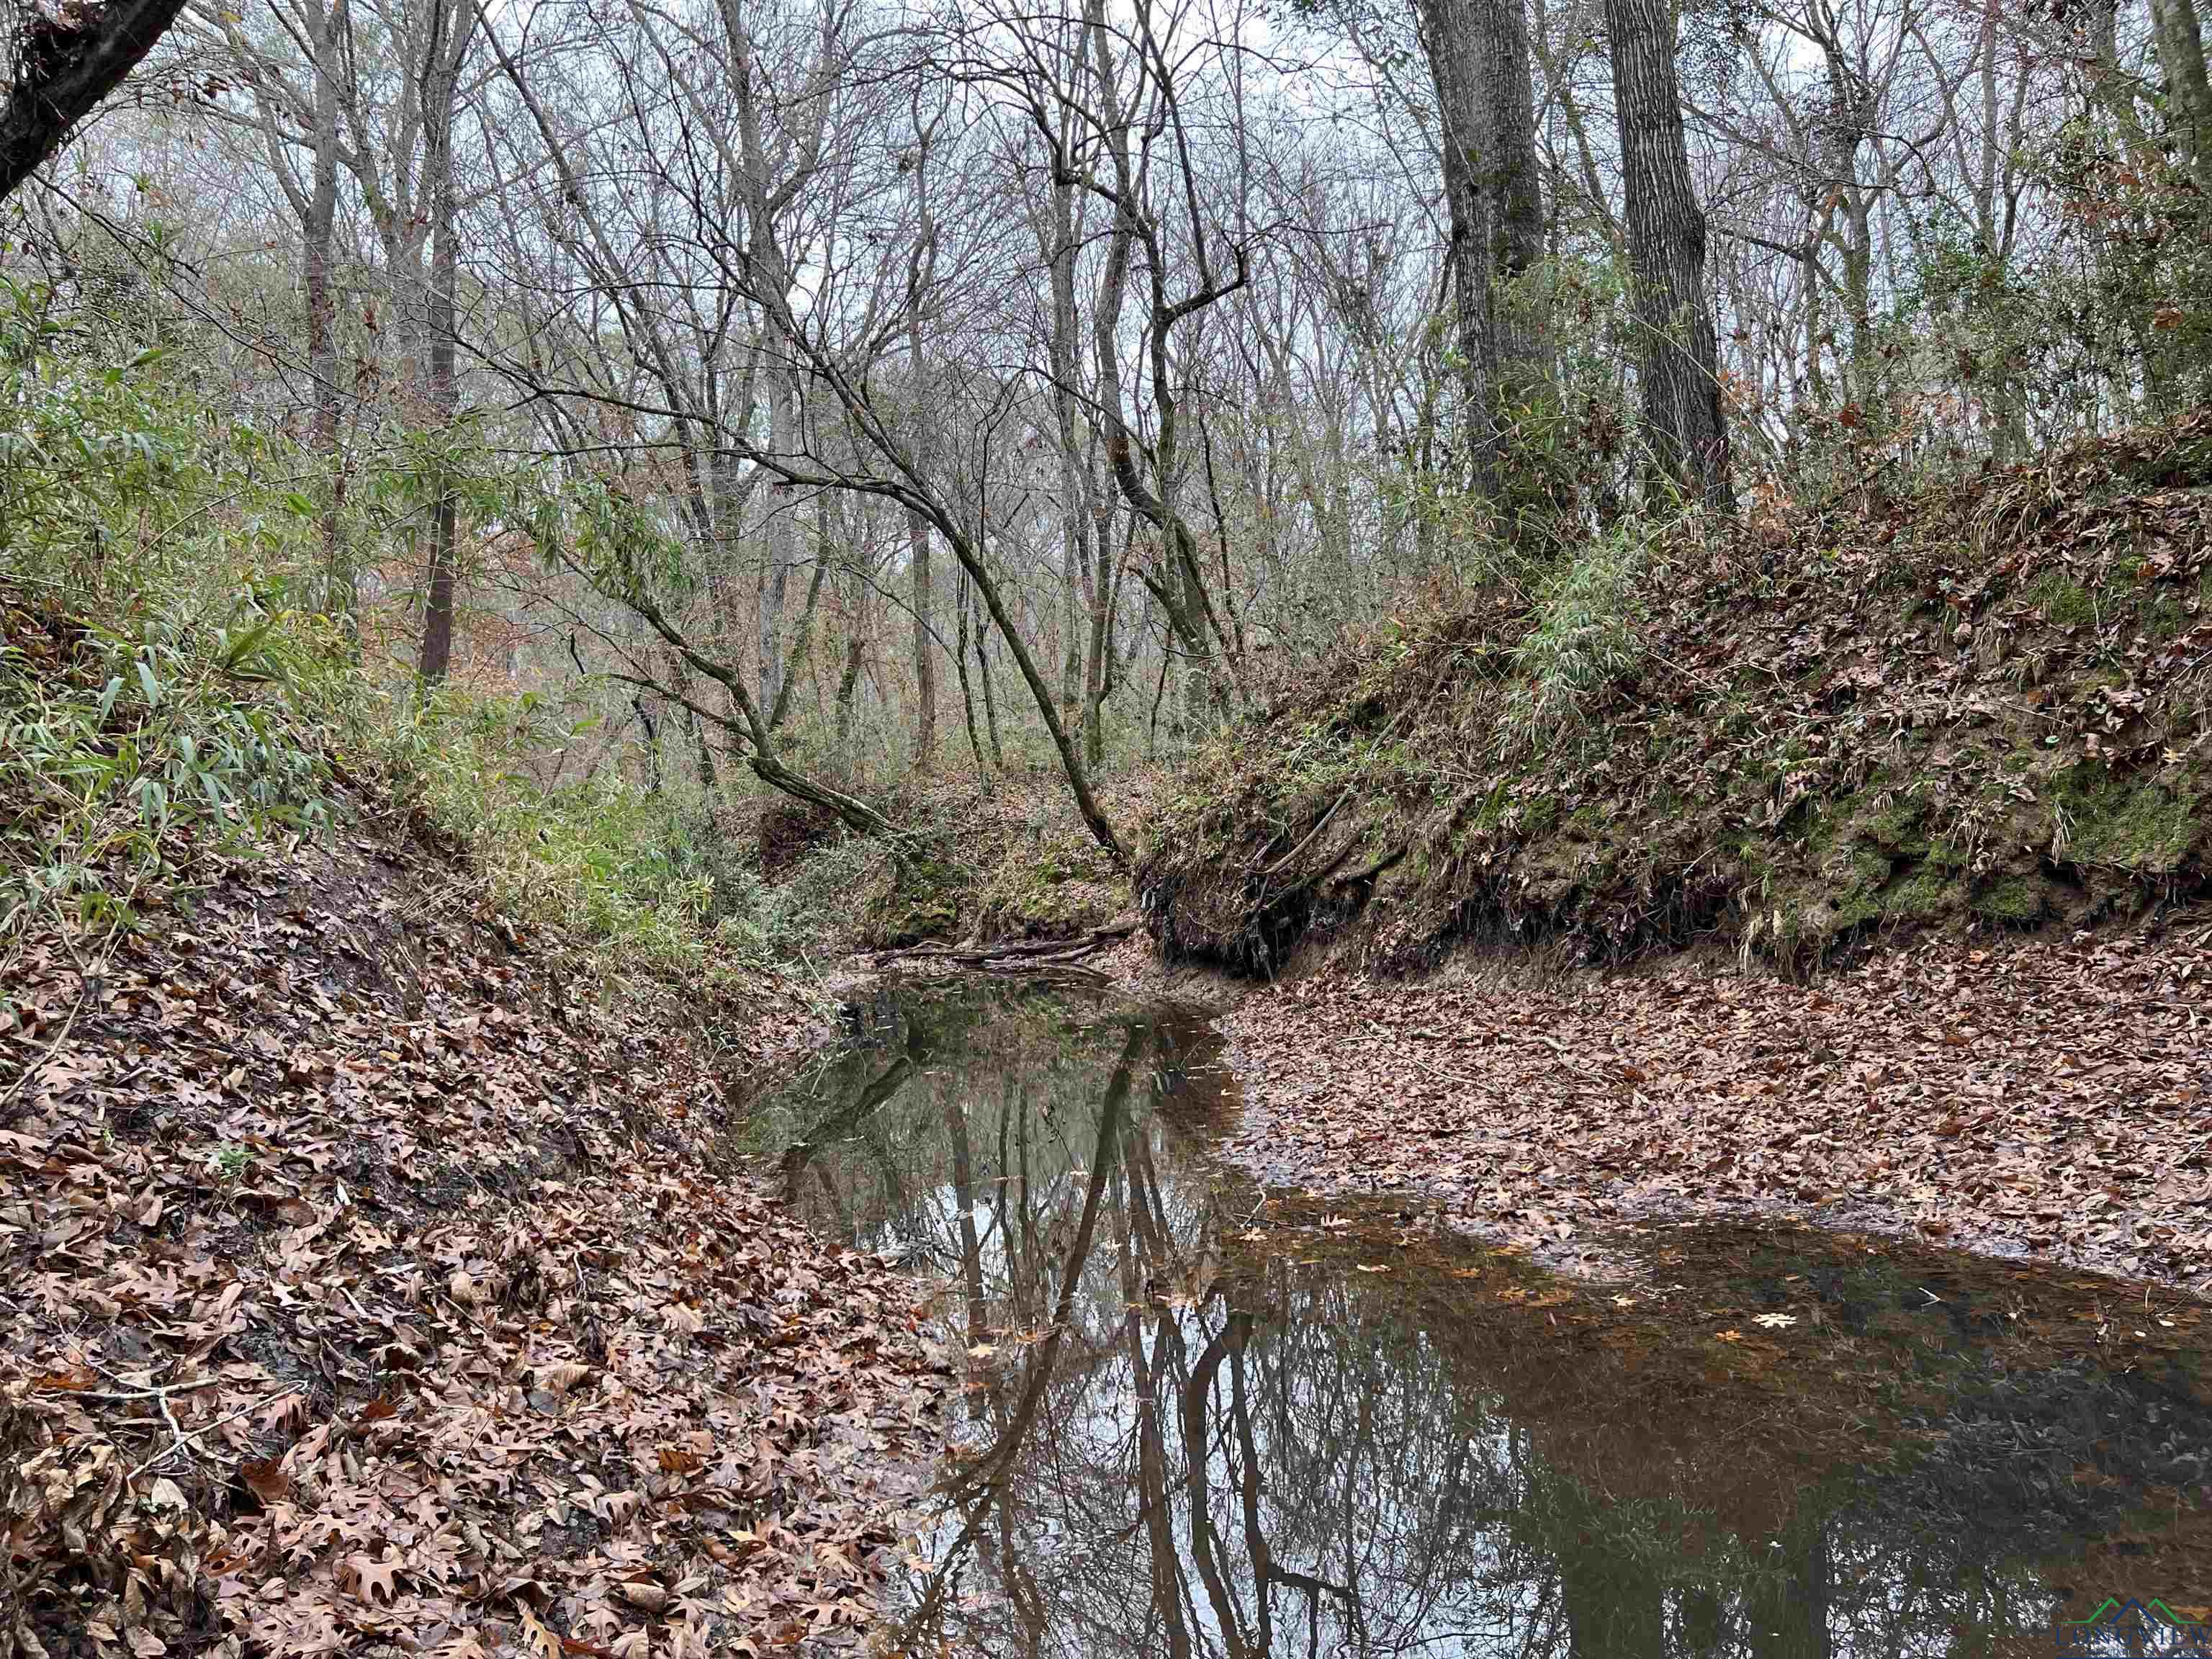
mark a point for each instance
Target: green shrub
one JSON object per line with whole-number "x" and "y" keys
{"x": 171, "y": 682}
{"x": 158, "y": 697}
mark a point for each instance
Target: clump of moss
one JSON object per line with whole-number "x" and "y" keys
{"x": 923, "y": 902}
{"x": 2011, "y": 901}
{"x": 2065, "y": 602}
{"x": 1898, "y": 825}
{"x": 1921, "y": 895}
{"x": 2141, "y": 828}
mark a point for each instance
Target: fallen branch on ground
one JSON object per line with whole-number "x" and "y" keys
{"x": 1028, "y": 953}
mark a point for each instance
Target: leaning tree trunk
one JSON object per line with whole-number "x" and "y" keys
{"x": 68, "y": 59}
{"x": 1682, "y": 416}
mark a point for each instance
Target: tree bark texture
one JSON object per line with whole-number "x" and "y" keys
{"x": 1682, "y": 387}
{"x": 2188, "y": 92}
{"x": 442, "y": 76}
{"x": 1477, "y": 53}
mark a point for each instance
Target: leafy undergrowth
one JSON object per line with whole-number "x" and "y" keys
{"x": 1983, "y": 707}
{"x": 366, "y": 1289}
{"x": 2039, "y": 1099}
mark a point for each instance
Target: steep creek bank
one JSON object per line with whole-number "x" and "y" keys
{"x": 364, "y": 1288}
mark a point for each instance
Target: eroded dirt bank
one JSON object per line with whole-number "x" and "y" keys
{"x": 2049, "y": 1099}
{"x": 361, "y": 1290}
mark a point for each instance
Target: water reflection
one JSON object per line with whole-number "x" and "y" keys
{"x": 1194, "y": 1428}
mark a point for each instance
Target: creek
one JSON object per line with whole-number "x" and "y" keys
{"x": 1198, "y": 1419}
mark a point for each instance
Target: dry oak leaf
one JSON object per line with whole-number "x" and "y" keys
{"x": 371, "y": 1577}
{"x": 539, "y": 1640}
{"x": 648, "y": 1597}
{"x": 265, "y": 1479}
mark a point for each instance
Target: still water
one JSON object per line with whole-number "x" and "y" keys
{"x": 1200, "y": 1419}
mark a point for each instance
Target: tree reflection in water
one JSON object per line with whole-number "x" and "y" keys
{"x": 1182, "y": 1442}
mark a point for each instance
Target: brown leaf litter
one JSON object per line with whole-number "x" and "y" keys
{"x": 363, "y": 1292}
{"x": 2042, "y": 1099}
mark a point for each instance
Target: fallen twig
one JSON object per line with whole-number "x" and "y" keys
{"x": 184, "y": 1439}
{"x": 166, "y": 1389}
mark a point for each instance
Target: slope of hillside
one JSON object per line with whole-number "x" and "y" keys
{"x": 1988, "y": 706}
{"x": 366, "y": 1288}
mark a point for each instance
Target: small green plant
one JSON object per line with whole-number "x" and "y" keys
{"x": 228, "y": 1162}
{"x": 1584, "y": 637}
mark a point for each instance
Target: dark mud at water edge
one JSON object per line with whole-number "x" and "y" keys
{"x": 1200, "y": 1419}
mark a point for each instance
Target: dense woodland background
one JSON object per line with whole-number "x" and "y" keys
{"x": 609, "y": 409}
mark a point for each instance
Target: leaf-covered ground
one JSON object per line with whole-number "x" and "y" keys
{"x": 2044, "y": 1099}
{"x": 361, "y": 1290}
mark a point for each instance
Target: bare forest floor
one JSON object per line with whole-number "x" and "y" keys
{"x": 2040, "y": 1098}
{"x": 365, "y": 1289}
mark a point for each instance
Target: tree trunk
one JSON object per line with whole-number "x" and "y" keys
{"x": 1667, "y": 255}
{"x": 925, "y": 642}
{"x": 1071, "y": 507}
{"x": 782, "y": 539}
{"x": 319, "y": 234}
{"x": 990, "y": 701}
{"x": 68, "y": 60}
{"x": 842, "y": 546}
{"x": 702, "y": 752}
{"x": 2187, "y": 92}
{"x": 1104, "y": 577}
{"x": 801, "y": 649}
{"x": 960, "y": 666}
{"x": 1478, "y": 53}
{"x": 2115, "y": 87}
{"x": 442, "y": 61}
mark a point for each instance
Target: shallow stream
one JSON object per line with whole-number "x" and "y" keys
{"x": 1200, "y": 1419}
